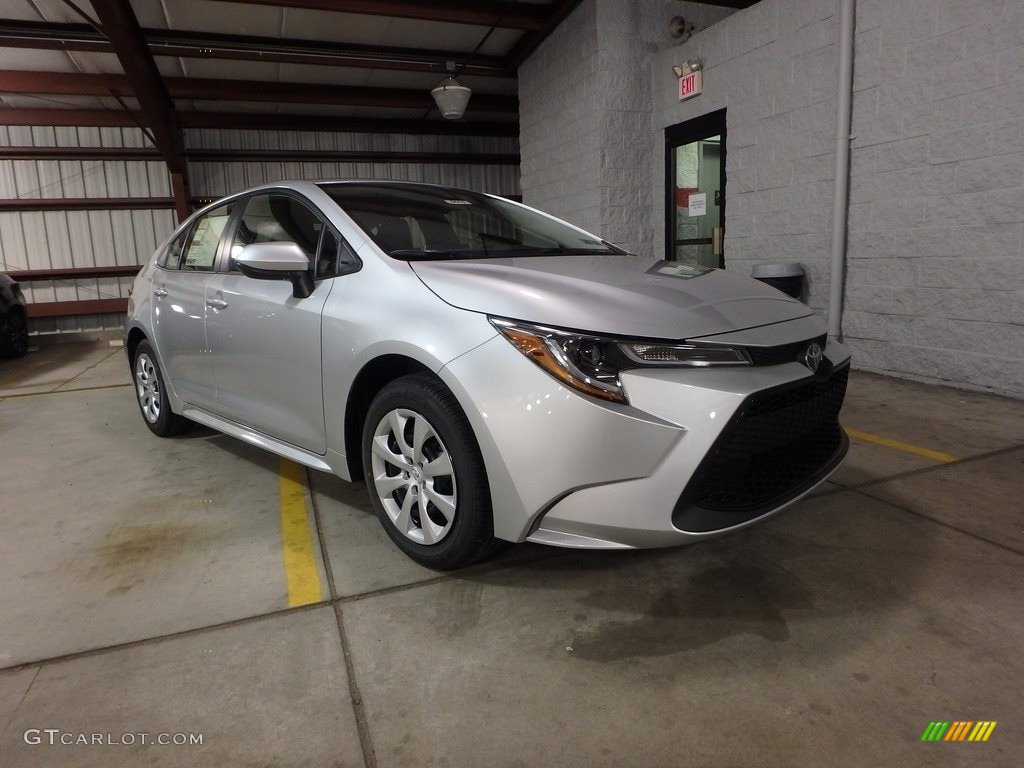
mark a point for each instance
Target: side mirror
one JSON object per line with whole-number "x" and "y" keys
{"x": 277, "y": 261}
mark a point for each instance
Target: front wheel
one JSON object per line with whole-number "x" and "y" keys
{"x": 425, "y": 474}
{"x": 151, "y": 394}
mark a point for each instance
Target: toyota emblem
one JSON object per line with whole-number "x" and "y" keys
{"x": 812, "y": 357}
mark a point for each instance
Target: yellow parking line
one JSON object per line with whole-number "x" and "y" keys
{"x": 899, "y": 445}
{"x": 300, "y": 566}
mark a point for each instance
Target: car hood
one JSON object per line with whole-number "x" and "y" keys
{"x": 623, "y": 295}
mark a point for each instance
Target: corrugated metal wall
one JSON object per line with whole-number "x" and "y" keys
{"x": 220, "y": 178}
{"x": 65, "y": 239}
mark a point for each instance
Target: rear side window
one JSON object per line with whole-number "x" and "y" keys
{"x": 277, "y": 219}
{"x": 201, "y": 252}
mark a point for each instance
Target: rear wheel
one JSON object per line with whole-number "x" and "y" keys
{"x": 425, "y": 475}
{"x": 14, "y": 334}
{"x": 152, "y": 394}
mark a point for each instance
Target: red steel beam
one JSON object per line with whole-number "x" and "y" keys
{"x": 260, "y": 121}
{"x": 297, "y": 122}
{"x": 530, "y": 41}
{"x": 86, "y": 203}
{"x": 99, "y": 118}
{"x": 72, "y": 308}
{"x": 483, "y": 13}
{"x": 261, "y": 155}
{"x": 78, "y": 153}
{"x": 142, "y": 79}
{"x": 212, "y": 45}
{"x": 73, "y": 273}
{"x": 321, "y": 156}
{"x": 216, "y": 89}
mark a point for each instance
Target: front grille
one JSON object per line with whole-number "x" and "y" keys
{"x": 779, "y": 443}
{"x": 784, "y": 353}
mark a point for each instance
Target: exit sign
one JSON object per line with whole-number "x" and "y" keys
{"x": 690, "y": 85}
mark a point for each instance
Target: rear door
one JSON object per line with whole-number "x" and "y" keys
{"x": 266, "y": 343}
{"x": 179, "y": 307}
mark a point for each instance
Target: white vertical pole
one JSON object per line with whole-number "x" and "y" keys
{"x": 841, "y": 193}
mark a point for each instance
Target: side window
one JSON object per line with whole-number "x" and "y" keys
{"x": 335, "y": 256}
{"x": 171, "y": 257}
{"x": 276, "y": 218}
{"x": 202, "y": 248}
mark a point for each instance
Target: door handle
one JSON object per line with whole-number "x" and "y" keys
{"x": 716, "y": 240}
{"x": 160, "y": 293}
{"x": 216, "y": 304}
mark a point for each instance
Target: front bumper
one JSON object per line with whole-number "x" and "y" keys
{"x": 570, "y": 471}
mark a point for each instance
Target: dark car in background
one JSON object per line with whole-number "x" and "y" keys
{"x": 13, "y": 322}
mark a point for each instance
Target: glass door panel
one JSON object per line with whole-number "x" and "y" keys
{"x": 695, "y": 178}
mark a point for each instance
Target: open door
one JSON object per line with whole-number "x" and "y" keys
{"x": 695, "y": 191}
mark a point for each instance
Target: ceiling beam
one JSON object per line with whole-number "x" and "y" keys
{"x": 531, "y": 40}
{"x": 105, "y": 118}
{"x": 350, "y": 156}
{"x": 262, "y": 155}
{"x": 210, "y": 45}
{"x": 298, "y": 122}
{"x": 90, "y": 118}
{"x": 213, "y": 89}
{"x": 86, "y": 203}
{"x": 79, "y": 153}
{"x": 483, "y": 13}
{"x": 120, "y": 26}
{"x": 141, "y": 79}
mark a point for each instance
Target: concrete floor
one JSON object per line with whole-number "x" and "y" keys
{"x": 145, "y": 591}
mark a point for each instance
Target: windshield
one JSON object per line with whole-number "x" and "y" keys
{"x": 413, "y": 222}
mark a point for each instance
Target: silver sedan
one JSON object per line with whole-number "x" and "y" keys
{"x": 491, "y": 372}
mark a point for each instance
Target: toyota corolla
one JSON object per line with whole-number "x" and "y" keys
{"x": 489, "y": 371}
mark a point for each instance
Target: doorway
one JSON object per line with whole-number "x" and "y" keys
{"x": 695, "y": 191}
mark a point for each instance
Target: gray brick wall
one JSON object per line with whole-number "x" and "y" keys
{"x": 773, "y": 67}
{"x": 935, "y": 285}
{"x": 585, "y": 106}
{"x": 560, "y": 122}
{"x": 935, "y": 278}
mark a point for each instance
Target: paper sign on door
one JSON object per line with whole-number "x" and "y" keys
{"x": 698, "y": 204}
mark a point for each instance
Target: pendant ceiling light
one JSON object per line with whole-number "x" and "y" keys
{"x": 451, "y": 96}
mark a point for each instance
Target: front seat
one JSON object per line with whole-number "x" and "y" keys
{"x": 394, "y": 235}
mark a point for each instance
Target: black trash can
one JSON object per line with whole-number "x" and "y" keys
{"x": 787, "y": 276}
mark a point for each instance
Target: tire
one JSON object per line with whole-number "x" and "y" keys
{"x": 151, "y": 394}
{"x": 14, "y": 334}
{"x": 458, "y": 529}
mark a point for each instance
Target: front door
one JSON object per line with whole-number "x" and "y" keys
{"x": 695, "y": 191}
{"x": 265, "y": 343}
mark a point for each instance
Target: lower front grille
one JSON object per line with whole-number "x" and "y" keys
{"x": 779, "y": 443}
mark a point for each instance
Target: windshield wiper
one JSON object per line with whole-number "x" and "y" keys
{"x": 424, "y": 254}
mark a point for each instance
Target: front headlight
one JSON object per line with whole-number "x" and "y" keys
{"x": 591, "y": 364}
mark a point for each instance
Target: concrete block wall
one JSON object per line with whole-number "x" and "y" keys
{"x": 935, "y": 278}
{"x": 56, "y": 239}
{"x": 584, "y": 114}
{"x": 774, "y": 68}
{"x": 559, "y": 122}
